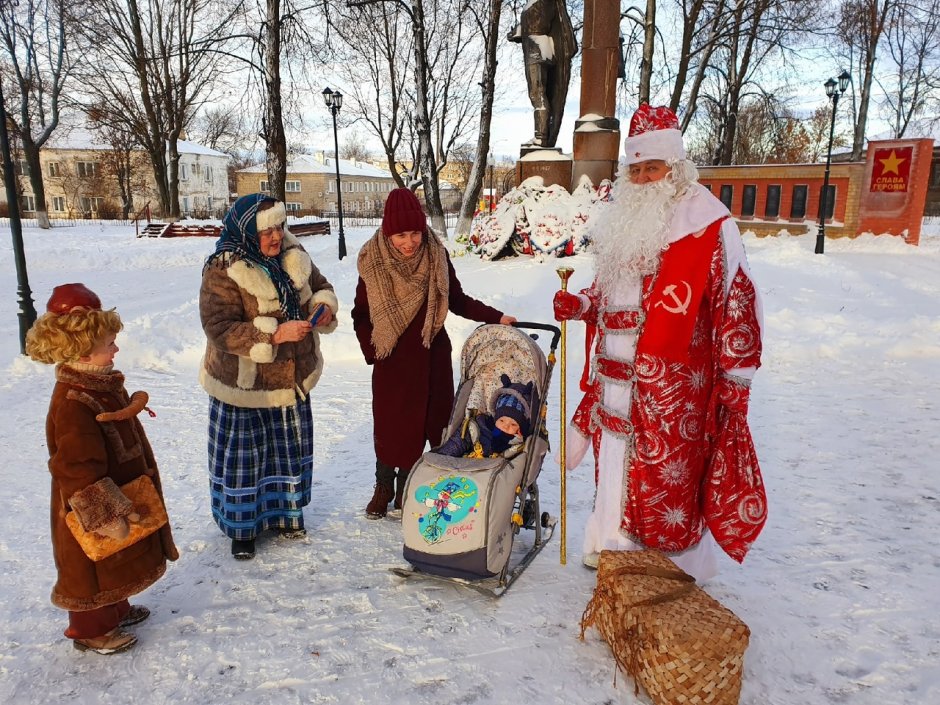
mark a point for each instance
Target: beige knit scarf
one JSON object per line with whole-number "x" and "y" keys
{"x": 397, "y": 286}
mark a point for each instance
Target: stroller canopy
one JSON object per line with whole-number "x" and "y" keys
{"x": 494, "y": 350}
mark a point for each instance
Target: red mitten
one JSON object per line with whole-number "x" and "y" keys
{"x": 567, "y": 306}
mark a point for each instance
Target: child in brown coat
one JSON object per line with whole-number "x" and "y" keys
{"x": 96, "y": 445}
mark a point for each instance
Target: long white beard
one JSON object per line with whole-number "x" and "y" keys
{"x": 630, "y": 232}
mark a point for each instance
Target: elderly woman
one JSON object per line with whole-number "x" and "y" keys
{"x": 263, "y": 303}
{"x": 406, "y": 287}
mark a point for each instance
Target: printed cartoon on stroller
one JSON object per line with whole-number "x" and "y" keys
{"x": 461, "y": 515}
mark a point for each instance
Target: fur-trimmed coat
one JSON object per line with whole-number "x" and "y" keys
{"x": 83, "y": 451}
{"x": 240, "y": 312}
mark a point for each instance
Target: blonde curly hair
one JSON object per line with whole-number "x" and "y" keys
{"x": 66, "y": 337}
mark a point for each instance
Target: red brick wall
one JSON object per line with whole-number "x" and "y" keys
{"x": 845, "y": 177}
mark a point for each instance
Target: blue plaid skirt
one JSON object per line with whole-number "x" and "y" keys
{"x": 260, "y": 467}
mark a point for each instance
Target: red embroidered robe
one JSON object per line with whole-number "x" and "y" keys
{"x": 691, "y": 459}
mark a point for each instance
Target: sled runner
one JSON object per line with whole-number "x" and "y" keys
{"x": 461, "y": 515}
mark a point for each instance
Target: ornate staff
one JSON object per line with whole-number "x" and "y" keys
{"x": 564, "y": 273}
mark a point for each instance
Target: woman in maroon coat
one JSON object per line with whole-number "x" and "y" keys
{"x": 406, "y": 287}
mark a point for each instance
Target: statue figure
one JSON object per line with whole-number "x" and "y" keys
{"x": 548, "y": 44}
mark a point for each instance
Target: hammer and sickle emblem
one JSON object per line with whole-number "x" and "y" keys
{"x": 680, "y": 305}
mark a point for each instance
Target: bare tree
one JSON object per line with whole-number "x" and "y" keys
{"x": 375, "y": 63}
{"x": 354, "y": 148}
{"x": 123, "y": 161}
{"x": 153, "y": 63}
{"x": 33, "y": 38}
{"x": 220, "y": 128}
{"x": 861, "y": 28}
{"x": 912, "y": 40}
{"x": 488, "y": 23}
{"x": 435, "y": 34}
{"x": 758, "y": 31}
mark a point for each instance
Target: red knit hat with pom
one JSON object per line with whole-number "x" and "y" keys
{"x": 403, "y": 213}
{"x": 67, "y": 297}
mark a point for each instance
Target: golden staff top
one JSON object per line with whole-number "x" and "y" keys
{"x": 564, "y": 273}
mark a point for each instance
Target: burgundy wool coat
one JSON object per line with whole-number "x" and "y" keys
{"x": 81, "y": 452}
{"x": 413, "y": 388}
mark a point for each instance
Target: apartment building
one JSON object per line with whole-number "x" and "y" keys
{"x": 81, "y": 179}
{"x": 310, "y": 187}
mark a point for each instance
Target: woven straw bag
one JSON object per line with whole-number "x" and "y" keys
{"x": 674, "y": 639}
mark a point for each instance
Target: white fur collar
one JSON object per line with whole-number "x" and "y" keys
{"x": 255, "y": 281}
{"x": 695, "y": 212}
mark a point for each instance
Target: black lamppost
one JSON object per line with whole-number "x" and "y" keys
{"x": 27, "y": 312}
{"x": 492, "y": 193}
{"x": 334, "y": 101}
{"x": 833, "y": 94}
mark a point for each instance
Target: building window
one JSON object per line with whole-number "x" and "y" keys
{"x": 27, "y": 202}
{"x": 292, "y": 186}
{"x": 87, "y": 170}
{"x": 726, "y": 195}
{"x": 208, "y": 174}
{"x": 54, "y": 168}
{"x": 208, "y": 203}
{"x": 90, "y": 204}
{"x": 332, "y": 187}
{"x": 798, "y": 205}
{"x": 830, "y": 200}
{"x": 21, "y": 167}
{"x": 772, "y": 207}
{"x": 58, "y": 204}
{"x": 292, "y": 207}
{"x": 264, "y": 187}
{"x": 185, "y": 204}
{"x": 197, "y": 169}
{"x": 184, "y": 172}
{"x": 748, "y": 198}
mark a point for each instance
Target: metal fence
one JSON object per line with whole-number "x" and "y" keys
{"x": 350, "y": 220}
{"x": 371, "y": 220}
{"x": 66, "y": 222}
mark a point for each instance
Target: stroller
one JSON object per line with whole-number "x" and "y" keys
{"x": 460, "y": 516}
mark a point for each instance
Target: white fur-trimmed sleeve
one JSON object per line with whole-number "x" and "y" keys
{"x": 328, "y": 298}
{"x": 264, "y": 352}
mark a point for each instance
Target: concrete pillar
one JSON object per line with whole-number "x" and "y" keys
{"x": 597, "y": 132}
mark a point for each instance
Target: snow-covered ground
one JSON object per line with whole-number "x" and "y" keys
{"x": 840, "y": 591}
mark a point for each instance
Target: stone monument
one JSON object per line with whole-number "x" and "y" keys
{"x": 548, "y": 45}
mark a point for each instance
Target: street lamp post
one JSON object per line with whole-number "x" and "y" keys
{"x": 334, "y": 101}
{"x": 834, "y": 95}
{"x": 27, "y": 312}
{"x": 492, "y": 193}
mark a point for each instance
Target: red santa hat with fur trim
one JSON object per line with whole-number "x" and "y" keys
{"x": 654, "y": 134}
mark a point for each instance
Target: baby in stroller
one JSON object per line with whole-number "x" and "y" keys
{"x": 503, "y": 432}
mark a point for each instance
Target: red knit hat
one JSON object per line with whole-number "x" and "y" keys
{"x": 67, "y": 297}
{"x": 654, "y": 134}
{"x": 403, "y": 213}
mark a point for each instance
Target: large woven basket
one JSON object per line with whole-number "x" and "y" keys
{"x": 674, "y": 639}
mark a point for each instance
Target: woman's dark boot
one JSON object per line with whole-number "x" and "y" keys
{"x": 400, "y": 481}
{"x": 384, "y": 491}
{"x": 243, "y": 549}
